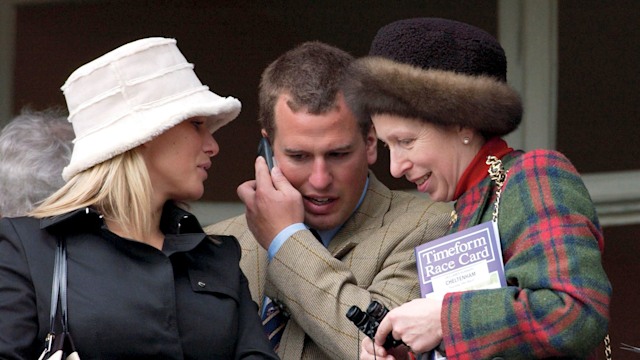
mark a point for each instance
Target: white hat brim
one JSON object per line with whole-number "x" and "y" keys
{"x": 142, "y": 126}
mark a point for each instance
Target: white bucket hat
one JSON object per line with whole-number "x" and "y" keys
{"x": 133, "y": 94}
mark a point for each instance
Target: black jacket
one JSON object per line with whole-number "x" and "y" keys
{"x": 127, "y": 299}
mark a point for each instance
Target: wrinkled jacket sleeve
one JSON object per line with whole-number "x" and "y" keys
{"x": 557, "y": 299}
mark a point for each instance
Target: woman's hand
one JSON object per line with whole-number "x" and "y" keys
{"x": 416, "y": 323}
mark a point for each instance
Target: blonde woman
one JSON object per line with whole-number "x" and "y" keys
{"x": 144, "y": 280}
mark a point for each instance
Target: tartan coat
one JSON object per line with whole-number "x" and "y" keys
{"x": 371, "y": 257}
{"x": 556, "y": 304}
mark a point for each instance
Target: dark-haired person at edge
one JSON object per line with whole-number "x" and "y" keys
{"x": 322, "y": 182}
{"x": 143, "y": 279}
{"x": 436, "y": 91}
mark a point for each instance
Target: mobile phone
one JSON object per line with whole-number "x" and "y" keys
{"x": 264, "y": 150}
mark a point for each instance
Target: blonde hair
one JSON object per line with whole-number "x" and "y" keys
{"x": 119, "y": 188}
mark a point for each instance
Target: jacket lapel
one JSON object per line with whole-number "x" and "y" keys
{"x": 254, "y": 264}
{"x": 292, "y": 342}
{"x": 367, "y": 218}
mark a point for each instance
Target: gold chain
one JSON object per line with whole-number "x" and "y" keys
{"x": 607, "y": 347}
{"x": 499, "y": 175}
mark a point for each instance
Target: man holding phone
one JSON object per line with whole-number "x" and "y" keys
{"x": 322, "y": 189}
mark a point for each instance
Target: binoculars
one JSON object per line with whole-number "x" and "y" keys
{"x": 369, "y": 321}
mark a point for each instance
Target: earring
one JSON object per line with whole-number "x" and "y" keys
{"x": 465, "y": 140}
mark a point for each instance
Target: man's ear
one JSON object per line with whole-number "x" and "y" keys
{"x": 264, "y": 133}
{"x": 371, "y": 143}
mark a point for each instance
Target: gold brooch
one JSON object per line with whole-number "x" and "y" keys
{"x": 454, "y": 218}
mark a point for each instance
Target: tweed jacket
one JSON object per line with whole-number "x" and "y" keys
{"x": 371, "y": 257}
{"x": 556, "y": 304}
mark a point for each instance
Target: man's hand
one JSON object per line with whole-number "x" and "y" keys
{"x": 271, "y": 202}
{"x": 416, "y": 323}
{"x": 372, "y": 351}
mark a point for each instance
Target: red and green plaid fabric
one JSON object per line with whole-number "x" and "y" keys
{"x": 557, "y": 302}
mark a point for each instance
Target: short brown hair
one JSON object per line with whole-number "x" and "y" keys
{"x": 311, "y": 74}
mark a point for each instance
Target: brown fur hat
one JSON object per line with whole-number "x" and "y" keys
{"x": 437, "y": 70}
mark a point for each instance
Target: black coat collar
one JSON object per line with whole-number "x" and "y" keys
{"x": 174, "y": 220}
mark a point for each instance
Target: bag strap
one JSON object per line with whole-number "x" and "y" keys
{"x": 59, "y": 285}
{"x": 58, "y": 294}
{"x": 62, "y": 244}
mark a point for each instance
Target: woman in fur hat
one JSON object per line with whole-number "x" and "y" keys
{"x": 436, "y": 91}
{"x": 142, "y": 278}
